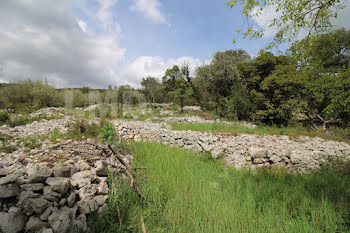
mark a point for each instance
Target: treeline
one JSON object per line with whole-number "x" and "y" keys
{"x": 309, "y": 84}
{"x": 28, "y": 96}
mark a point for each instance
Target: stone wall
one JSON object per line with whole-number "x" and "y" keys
{"x": 245, "y": 150}
{"x": 55, "y": 190}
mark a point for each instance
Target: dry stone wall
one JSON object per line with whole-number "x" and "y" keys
{"x": 303, "y": 153}
{"x": 56, "y": 188}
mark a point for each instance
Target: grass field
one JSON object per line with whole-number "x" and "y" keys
{"x": 189, "y": 192}
{"x": 236, "y": 128}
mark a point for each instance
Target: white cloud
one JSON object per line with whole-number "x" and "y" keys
{"x": 144, "y": 66}
{"x": 150, "y": 8}
{"x": 40, "y": 41}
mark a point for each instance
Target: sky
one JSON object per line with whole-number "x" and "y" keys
{"x": 75, "y": 43}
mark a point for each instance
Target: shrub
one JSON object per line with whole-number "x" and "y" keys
{"x": 4, "y": 117}
{"x": 108, "y": 133}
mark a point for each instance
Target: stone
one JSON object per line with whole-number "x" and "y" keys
{"x": 83, "y": 165}
{"x": 260, "y": 160}
{"x": 275, "y": 158}
{"x": 9, "y": 190}
{"x": 36, "y": 205}
{"x": 35, "y": 224}
{"x": 60, "y": 221}
{"x": 101, "y": 168}
{"x": 103, "y": 209}
{"x": 82, "y": 178}
{"x": 62, "y": 202}
{"x": 12, "y": 222}
{"x": 10, "y": 169}
{"x": 58, "y": 184}
{"x": 101, "y": 199}
{"x": 49, "y": 230}
{"x": 87, "y": 192}
{"x": 40, "y": 175}
{"x": 10, "y": 178}
{"x": 25, "y": 195}
{"x": 80, "y": 223}
{"x": 45, "y": 215}
{"x": 32, "y": 187}
{"x": 71, "y": 199}
{"x": 102, "y": 188}
{"x": 256, "y": 153}
{"x": 51, "y": 195}
{"x": 61, "y": 171}
{"x": 87, "y": 206}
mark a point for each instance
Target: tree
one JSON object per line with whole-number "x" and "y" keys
{"x": 293, "y": 16}
{"x": 220, "y": 76}
{"x": 176, "y": 85}
{"x": 150, "y": 87}
{"x": 185, "y": 70}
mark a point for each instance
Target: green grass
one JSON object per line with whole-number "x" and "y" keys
{"x": 23, "y": 120}
{"x": 190, "y": 192}
{"x": 236, "y": 128}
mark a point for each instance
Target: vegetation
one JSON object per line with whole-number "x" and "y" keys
{"x": 189, "y": 192}
{"x": 292, "y": 17}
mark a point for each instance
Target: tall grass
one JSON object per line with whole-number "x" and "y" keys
{"x": 236, "y": 128}
{"x": 189, "y": 192}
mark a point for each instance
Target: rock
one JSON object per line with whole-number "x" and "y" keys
{"x": 260, "y": 160}
{"x": 9, "y": 190}
{"x": 71, "y": 199}
{"x": 40, "y": 175}
{"x": 32, "y": 187}
{"x": 10, "y": 178}
{"x": 87, "y": 206}
{"x": 58, "y": 184}
{"x": 49, "y": 230}
{"x": 36, "y": 205}
{"x": 102, "y": 188}
{"x": 101, "y": 168}
{"x": 10, "y": 169}
{"x": 83, "y": 165}
{"x": 103, "y": 209}
{"x": 101, "y": 199}
{"x": 60, "y": 221}
{"x": 13, "y": 221}
{"x": 61, "y": 171}
{"x": 87, "y": 192}
{"x": 80, "y": 223}
{"x": 82, "y": 178}
{"x": 45, "y": 215}
{"x": 256, "y": 153}
{"x": 62, "y": 202}
{"x": 25, "y": 195}
{"x": 275, "y": 158}
{"x": 35, "y": 224}
{"x": 51, "y": 195}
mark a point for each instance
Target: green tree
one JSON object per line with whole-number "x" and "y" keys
{"x": 150, "y": 88}
{"x": 176, "y": 86}
{"x": 293, "y": 16}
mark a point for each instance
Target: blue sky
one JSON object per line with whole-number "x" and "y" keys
{"x": 74, "y": 43}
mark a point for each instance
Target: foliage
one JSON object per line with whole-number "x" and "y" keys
{"x": 190, "y": 192}
{"x": 293, "y": 17}
{"x": 27, "y": 96}
{"x": 150, "y": 88}
{"x": 4, "y": 117}
{"x": 108, "y": 133}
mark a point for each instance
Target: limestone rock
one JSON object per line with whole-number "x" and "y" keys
{"x": 58, "y": 184}
{"x": 9, "y": 190}
{"x": 39, "y": 175}
{"x": 51, "y": 195}
{"x": 35, "y": 224}
{"x": 32, "y": 187}
{"x": 61, "y": 171}
{"x": 82, "y": 178}
{"x": 13, "y": 221}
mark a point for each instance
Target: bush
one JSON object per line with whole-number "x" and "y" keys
{"x": 82, "y": 128}
{"x": 4, "y": 117}
{"x": 108, "y": 134}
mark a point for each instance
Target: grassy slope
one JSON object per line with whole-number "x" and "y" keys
{"x": 235, "y": 129}
{"x": 188, "y": 192}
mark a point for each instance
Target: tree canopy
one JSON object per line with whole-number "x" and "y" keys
{"x": 292, "y": 16}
